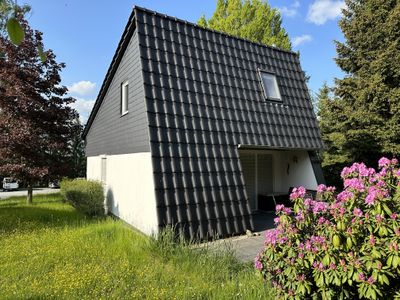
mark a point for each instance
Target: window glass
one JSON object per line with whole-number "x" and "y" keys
{"x": 124, "y": 98}
{"x": 270, "y": 86}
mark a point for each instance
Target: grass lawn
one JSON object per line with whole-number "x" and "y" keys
{"x": 48, "y": 250}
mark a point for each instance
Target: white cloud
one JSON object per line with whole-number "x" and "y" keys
{"x": 84, "y": 107}
{"x": 290, "y": 11}
{"x": 82, "y": 88}
{"x": 298, "y": 40}
{"x": 324, "y": 10}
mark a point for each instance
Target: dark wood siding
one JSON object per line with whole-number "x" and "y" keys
{"x": 111, "y": 133}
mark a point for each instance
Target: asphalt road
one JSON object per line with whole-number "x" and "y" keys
{"x": 23, "y": 192}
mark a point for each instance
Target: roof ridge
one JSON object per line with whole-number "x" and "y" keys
{"x": 143, "y": 9}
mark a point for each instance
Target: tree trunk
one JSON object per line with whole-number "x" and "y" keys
{"x": 30, "y": 192}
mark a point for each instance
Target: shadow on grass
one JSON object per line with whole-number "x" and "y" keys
{"x": 17, "y": 218}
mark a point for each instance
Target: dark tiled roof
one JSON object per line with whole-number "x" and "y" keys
{"x": 204, "y": 98}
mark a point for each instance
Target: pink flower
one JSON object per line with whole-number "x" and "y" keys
{"x": 358, "y": 212}
{"x": 300, "y": 216}
{"x": 379, "y": 218}
{"x": 271, "y": 236}
{"x": 374, "y": 193}
{"x": 298, "y": 193}
{"x": 321, "y": 220}
{"x": 279, "y": 207}
{"x": 320, "y": 207}
{"x": 308, "y": 246}
{"x": 344, "y": 196}
{"x": 361, "y": 276}
{"x": 321, "y": 188}
{"x": 332, "y": 266}
{"x": 397, "y": 231}
{"x": 308, "y": 202}
{"x": 342, "y": 211}
{"x": 345, "y": 172}
{"x": 371, "y": 280}
{"x": 383, "y": 162}
{"x": 394, "y": 216}
{"x": 372, "y": 240}
{"x": 301, "y": 277}
{"x": 257, "y": 264}
{"x": 277, "y": 220}
{"x": 355, "y": 184}
{"x": 330, "y": 189}
{"x": 287, "y": 210}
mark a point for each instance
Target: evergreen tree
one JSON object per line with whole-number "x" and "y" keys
{"x": 366, "y": 121}
{"x": 252, "y": 19}
{"x": 330, "y": 117}
{"x": 76, "y": 151}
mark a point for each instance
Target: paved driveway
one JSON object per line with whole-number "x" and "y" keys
{"x": 246, "y": 247}
{"x": 23, "y": 192}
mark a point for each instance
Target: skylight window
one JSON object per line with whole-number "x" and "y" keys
{"x": 270, "y": 86}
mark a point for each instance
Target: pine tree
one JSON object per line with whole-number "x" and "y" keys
{"x": 368, "y": 124}
{"x": 330, "y": 117}
{"x": 252, "y": 19}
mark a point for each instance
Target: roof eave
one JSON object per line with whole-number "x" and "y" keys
{"x": 266, "y": 147}
{"x": 122, "y": 45}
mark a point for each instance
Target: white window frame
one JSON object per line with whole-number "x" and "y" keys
{"x": 124, "y": 98}
{"x": 276, "y": 86}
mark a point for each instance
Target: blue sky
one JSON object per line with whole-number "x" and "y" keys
{"x": 84, "y": 34}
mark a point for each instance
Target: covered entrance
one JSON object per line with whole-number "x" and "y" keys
{"x": 269, "y": 175}
{"x": 258, "y": 173}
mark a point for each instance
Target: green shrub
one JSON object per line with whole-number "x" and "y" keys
{"x": 85, "y": 195}
{"x": 343, "y": 246}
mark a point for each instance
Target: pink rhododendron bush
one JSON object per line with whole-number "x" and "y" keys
{"x": 339, "y": 246}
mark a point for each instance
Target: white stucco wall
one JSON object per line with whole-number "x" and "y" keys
{"x": 296, "y": 170}
{"x": 129, "y": 188}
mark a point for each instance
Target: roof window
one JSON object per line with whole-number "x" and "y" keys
{"x": 270, "y": 86}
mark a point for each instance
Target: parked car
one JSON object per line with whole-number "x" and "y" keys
{"x": 54, "y": 184}
{"x": 10, "y": 184}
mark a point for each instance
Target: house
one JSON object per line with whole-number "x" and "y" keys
{"x": 195, "y": 128}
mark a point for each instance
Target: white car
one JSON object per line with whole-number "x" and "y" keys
{"x": 10, "y": 184}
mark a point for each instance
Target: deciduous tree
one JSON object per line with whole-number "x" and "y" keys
{"x": 36, "y": 121}
{"x": 255, "y": 20}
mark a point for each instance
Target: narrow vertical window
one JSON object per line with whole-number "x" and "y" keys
{"x": 270, "y": 86}
{"x": 124, "y": 97}
{"x": 103, "y": 176}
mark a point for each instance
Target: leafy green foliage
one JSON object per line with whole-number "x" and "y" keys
{"x": 365, "y": 118}
{"x": 51, "y": 251}
{"x": 252, "y": 19}
{"x": 343, "y": 246}
{"x": 10, "y": 12}
{"x": 86, "y": 196}
{"x": 15, "y": 31}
